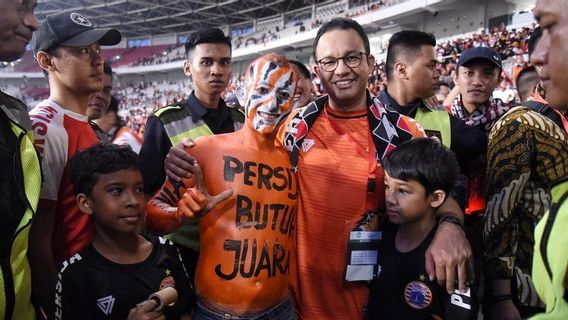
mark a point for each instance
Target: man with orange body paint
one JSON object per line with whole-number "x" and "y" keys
{"x": 246, "y": 231}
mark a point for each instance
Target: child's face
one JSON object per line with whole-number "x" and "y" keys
{"x": 406, "y": 201}
{"x": 117, "y": 201}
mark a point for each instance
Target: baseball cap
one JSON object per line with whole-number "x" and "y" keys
{"x": 485, "y": 53}
{"x": 71, "y": 29}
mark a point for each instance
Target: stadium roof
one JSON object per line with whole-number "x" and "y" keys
{"x": 153, "y": 17}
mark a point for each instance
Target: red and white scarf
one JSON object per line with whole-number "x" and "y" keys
{"x": 484, "y": 117}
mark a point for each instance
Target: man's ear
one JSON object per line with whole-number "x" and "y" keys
{"x": 240, "y": 94}
{"x": 187, "y": 68}
{"x": 437, "y": 198}
{"x": 371, "y": 62}
{"x": 400, "y": 70}
{"x": 84, "y": 203}
{"x": 315, "y": 69}
{"x": 45, "y": 61}
{"x": 455, "y": 76}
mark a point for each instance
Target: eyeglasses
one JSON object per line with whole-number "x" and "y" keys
{"x": 352, "y": 60}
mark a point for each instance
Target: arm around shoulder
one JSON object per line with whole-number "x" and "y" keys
{"x": 449, "y": 255}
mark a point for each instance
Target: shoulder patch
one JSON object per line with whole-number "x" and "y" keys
{"x": 165, "y": 109}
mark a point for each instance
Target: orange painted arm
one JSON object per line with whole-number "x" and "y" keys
{"x": 179, "y": 203}
{"x": 162, "y": 214}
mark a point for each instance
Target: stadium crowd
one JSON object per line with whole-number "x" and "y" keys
{"x": 144, "y": 98}
{"x": 430, "y": 184}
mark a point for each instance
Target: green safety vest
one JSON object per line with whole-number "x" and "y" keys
{"x": 550, "y": 258}
{"x": 435, "y": 123}
{"x": 178, "y": 125}
{"x": 18, "y": 271}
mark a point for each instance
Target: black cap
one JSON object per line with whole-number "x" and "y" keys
{"x": 484, "y": 53}
{"x": 71, "y": 29}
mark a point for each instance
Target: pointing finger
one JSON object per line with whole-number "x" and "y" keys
{"x": 214, "y": 201}
{"x": 200, "y": 185}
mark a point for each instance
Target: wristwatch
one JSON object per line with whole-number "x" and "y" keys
{"x": 450, "y": 219}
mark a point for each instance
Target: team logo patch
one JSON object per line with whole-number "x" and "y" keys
{"x": 106, "y": 304}
{"x": 168, "y": 281}
{"x": 417, "y": 295}
{"x": 80, "y": 20}
{"x": 307, "y": 144}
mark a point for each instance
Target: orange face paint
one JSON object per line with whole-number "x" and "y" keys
{"x": 270, "y": 84}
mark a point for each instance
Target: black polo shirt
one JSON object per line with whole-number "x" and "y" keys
{"x": 468, "y": 143}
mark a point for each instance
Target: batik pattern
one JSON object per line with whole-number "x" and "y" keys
{"x": 526, "y": 154}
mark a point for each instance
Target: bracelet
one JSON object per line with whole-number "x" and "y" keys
{"x": 450, "y": 219}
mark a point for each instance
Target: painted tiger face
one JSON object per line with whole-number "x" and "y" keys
{"x": 270, "y": 92}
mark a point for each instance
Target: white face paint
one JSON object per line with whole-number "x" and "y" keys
{"x": 270, "y": 95}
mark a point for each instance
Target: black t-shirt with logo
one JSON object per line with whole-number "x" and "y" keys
{"x": 403, "y": 290}
{"x": 93, "y": 287}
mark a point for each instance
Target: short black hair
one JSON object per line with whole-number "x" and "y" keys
{"x": 406, "y": 42}
{"x": 424, "y": 160}
{"x": 87, "y": 165}
{"x": 303, "y": 69}
{"x": 533, "y": 39}
{"x": 206, "y": 35}
{"x": 342, "y": 24}
{"x": 113, "y": 105}
{"x": 526, "y": 80}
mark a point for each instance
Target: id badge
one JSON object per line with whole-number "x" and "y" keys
{"x": 363, "y": 253}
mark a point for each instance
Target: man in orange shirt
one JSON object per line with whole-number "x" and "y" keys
{"x": 339, "y": 138}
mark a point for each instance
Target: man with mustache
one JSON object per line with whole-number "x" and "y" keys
{"x": 478, "y": 74}
{"x": 208, "y": 65}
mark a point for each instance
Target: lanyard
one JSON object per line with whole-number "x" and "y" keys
{"x": 375, "y": 177}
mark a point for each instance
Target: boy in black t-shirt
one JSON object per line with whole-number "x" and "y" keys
{"x": 114, "y": 275}
{"x": 418, "y": 176}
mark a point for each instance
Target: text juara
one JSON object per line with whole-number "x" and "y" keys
{"x": 252, "y": 261}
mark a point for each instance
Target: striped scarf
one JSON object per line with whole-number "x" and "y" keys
{"x": 484, "y": 117}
